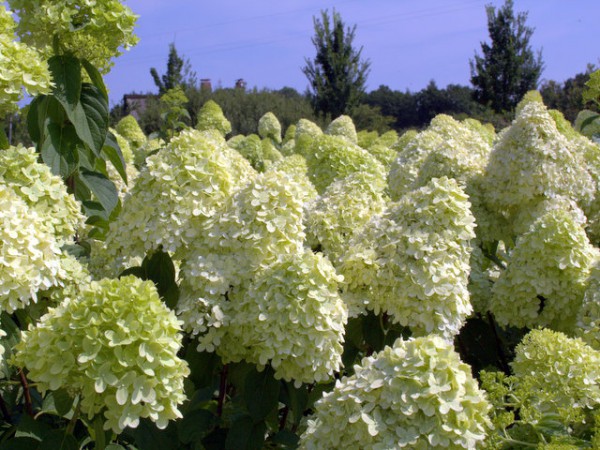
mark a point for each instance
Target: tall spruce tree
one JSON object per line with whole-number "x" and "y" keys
{"x": 337, "y": 75}
{"x": 508, "y": 67}
{"x": 179, "y": 73}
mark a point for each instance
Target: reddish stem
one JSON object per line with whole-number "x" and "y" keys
{"x": 26, "y": 393}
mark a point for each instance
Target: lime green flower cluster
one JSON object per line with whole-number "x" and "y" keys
{"x": 129, "y": 128}
{"x": 42, "y": 191}
{"x": 289, "y": 316}
{"x": 446, "y": 148}
{"x": 20, "y": 67}
{"x": 306, "y": 132}
{"x": 333, "y": 158}
{"x": 269, "y": 127}
{"x": 211, "y": 117}
{"x": 38, "y": 217}
{"x": 412, "y": 262}
{"x": 344, "y": 127}
{"x": 258, "y": 224}
{"x": 545, "y": 280}
{"x": 416, "y": 394}
{"x": 366, "y": 138}
{"x": 551, "y": 398}
{"x": 250, "y": 147}
{"x": 532, "y": 161}
{"x": 176, "y": 194}
{"x": 116, "y": 346}
{"x": 91, "y": 29}
{"x": 341, "y": 212}
{"x": 295, "y": 166}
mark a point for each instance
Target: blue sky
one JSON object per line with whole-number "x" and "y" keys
{"x": 408, "y": 42}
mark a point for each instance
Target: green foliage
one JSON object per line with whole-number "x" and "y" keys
{"x": 507, "y": 68}
{"x": 337, "y": 75}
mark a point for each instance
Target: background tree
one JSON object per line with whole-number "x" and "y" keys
{"x": 567, "y": 96}
{"x": 508, "y": 67}
{"x": 337, "y": 75}
{"x": 179, "y": 73}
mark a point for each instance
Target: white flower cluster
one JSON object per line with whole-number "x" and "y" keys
{"x": 37, "y": 218}
{"x": 211, "y": 117}
{"x": 175, "y": 196}
{"x": 269, "y": 127}
{"x": 412, "y": 262}
{"x": 562, "y": 371}
{"x": 344, "y": 127}
{"x": 115, "y": 345}
{"x": 416, "y": 394}
{"x": 532, "y": 161}
{"x": 545, "y": 280}
{"x": 295, "y": 166}
{"x": 289, "y": 316}
{"x": 92, "y": 29}
{"x": 258, "y": 224}
{"x": 446, "y": 148}
{"x": 342, "y": 211}
{"x": 333, "y": 158}
{"x": 20, "y": 67}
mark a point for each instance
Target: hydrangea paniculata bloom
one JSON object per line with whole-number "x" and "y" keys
{"x": 269, "y": 127}
{"x": 343, "y": 126}
{"x": 532, "y": 161}
{"x": 129, "y": 128}
{"x": 291, "y": 317}
{"x": 446, "y": 148}
{"x": 544, "y": 282}
{"x": 332, "y": 158}
{"x": 91, "y": 29}
{"x": 211, "y": 117}
{"x": 341, "y": 212}
{"x": 176, "y": 194}
{"x": 412, "y": 262}
{"x": 116, "y": 346}
{"x": 416, "y": 394}
{"x": 20, "y": 67}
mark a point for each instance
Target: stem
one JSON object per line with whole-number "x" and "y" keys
{"x": 284, "y": 417}
{"x": 4, "y": 410}
{"x": 222, "y": 388}
{"x": 73, "y": 421}
{"x": 501, "y": 353}
{"x": 26, "y": 393}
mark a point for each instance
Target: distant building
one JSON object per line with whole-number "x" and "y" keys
{"x": 135, "y": 104}
{"x": 205, "y": 84}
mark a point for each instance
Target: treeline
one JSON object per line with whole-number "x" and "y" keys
{"x": 381, "y": 109}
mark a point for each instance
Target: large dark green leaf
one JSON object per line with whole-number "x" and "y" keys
{"x": 245, "y": 434}
{"x": 59, "y": 149}
{"x": 296, "y": 399}
{"x": 160, "y": 269}
{"x": 196, "y": 424}
{"x": 261, "y": 393}
{"x": 21, "y": 443}
{"x": 103, "y": 189}
{"x": 113, "y": 153}
{"x": 96, "y": 77}
{"x": 59, "y": 440}
{"x": 3, "y": 138}
{"x": 44, "y": 110}
{"x": 148, "y": 437}
{"x": 66, "y": 74}
{"x": 90, "y": 117}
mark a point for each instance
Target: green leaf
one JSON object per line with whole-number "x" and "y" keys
{"x": 103, "y": 189}
{"x": 58, "y": 402}
{"x": 160, "y": 269}
{"x": 296, "y": 399}
{"x": 66, "y": 75}
{"x": 244, "y": 434}
{"x": 21, "y": 443}
{"x": 261, "y": 393}
{"x": 203, "y": 366}
{"x": 135, "y": 271}
{"x": 96, "y": 77}
{"x": 148, "y": 437}
{"x": 94, "y": 210}
{"x": 196, "y": 424}
{"x": 286, "y": 438}
{"x": 59, "y": 149}
{"x": 90, "y": 117}
{"x": 59, "y": 440}
{"x": 588, "y": 121}
{"x": 36, "y": 429}
{"x": 34, "y": 127}
{"x": 113, "y": 153}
